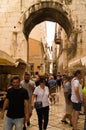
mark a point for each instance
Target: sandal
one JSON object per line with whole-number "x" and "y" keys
{"x": 63, "y": 121}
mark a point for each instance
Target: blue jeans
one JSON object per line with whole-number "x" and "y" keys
{"x": 9, "y": 123}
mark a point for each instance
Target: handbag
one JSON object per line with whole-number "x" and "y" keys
{"x": 38, "y": 104}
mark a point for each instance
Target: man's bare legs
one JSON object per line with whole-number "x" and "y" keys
{"x": 75, "y": 116}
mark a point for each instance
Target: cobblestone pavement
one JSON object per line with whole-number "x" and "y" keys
{"x": 56, "y": 113}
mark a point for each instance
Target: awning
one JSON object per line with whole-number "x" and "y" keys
{"x": 5, "y": 59}
{"x": 10, "y": 66}
{"x": 75, "y": 63}
{"x": 19, "y": 60}
{"x": 13, "y": 69}
{"x": 83, "y": 61}
{"x": 78, "y": 62}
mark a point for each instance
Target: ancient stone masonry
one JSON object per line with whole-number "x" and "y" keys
{"x": 68, "y": 2}
{"x": 72, "y": 49}
{"x": 53, "y": 12}
{"x": 22, "y": 17}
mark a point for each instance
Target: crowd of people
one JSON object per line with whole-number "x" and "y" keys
{"x": 23, "y": 96}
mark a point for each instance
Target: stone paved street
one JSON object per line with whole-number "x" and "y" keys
{"x": 56, "y": 113}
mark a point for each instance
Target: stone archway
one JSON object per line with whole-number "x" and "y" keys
{"x": 46, "y": 11}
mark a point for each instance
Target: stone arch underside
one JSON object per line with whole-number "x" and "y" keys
{"x": 47, "y": 14}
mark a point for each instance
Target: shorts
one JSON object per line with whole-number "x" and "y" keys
{"x": 77, "y": 106}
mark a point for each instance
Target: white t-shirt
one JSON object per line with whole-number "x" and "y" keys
{"x": 27, "y": 86}
{"x": 42, "y": 95}
{"x": 75, "y": 83}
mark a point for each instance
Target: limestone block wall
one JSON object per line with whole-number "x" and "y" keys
{"x": 78, "y": 12}
{"x": 12, "y": 40}
{"x": 35, "y": 54}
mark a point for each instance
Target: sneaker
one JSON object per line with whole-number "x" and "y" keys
{"x": 63, "y": 121}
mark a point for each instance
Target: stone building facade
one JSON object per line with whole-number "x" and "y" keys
{"x": 14, "y": 48}
{"x": 19, "y": 17}
{"x": 71, "y": 50}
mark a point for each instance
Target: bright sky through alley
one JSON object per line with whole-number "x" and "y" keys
{"x": 50, "y": 32}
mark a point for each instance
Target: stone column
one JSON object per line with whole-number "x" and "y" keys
{"x": 65, "y": 54}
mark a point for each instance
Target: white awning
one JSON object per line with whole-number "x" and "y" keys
{"x": 75, "y": 63}
{"x": 5, "y": 59}
{"x": 83, "y": 61}
{"x": 78, "y": 62}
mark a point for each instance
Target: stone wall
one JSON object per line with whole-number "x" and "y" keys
{"x": 12, "y": 39}
{"x": 10, "y": 32}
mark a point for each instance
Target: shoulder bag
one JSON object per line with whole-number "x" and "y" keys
{"x": 38, "y": 104}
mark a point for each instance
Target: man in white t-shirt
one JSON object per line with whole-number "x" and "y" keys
{"x": 76, "y": 97}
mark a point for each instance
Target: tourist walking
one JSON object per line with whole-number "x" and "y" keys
{"x": 59, "y": 80}
{"x": 52, "y": 88}
{"x": 29, "y": 85}
{"x": 17, "y": 105}
{"x": 76, "y": 97}
{"x": 40, "y": 95}
{"x": 67, "y": 103}
{"x": 84, "y": 101}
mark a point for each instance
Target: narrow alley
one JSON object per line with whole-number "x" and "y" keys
{"x": 56, "y": 114}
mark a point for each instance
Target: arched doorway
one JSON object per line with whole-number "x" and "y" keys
{"x": 46, "y": 11}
